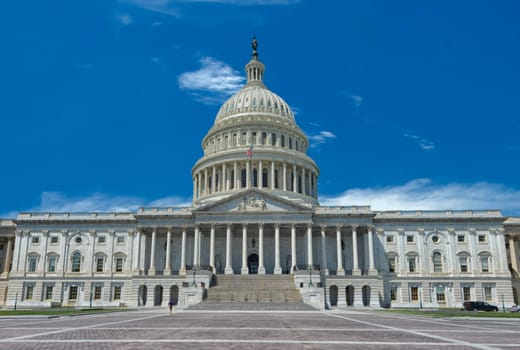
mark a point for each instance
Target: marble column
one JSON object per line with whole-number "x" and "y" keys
{"x": 293, "y": 248}
{"x": 261, "y": 267}
{"x": 272, "y": 176}
{"x": 214, "y": 180}
{"x": 8, "y": 255}
{"x": 236, "y": 184}
{"x": 512, "y": 252}
{"x": 167, "y": 264}
{"x": 371, "y": 264}
{"x": 355, "y": 266}
{"x": 340, "y": 270}
{"x": 304, "y": 187}
{"x": 182, "y": 269}
{"x": 260, "y": 175}
{"x": 206, "y": 182}
{"x": 196, "y": 247}
{"x": 277, "y": 267}
{"x": 310, "y": 262}
{"x": 248, "y": 174}
{"x": 284, "y": 176}
{"x": 45, "y": 243}
{"x": 212, "y": 249}
{"x": 244, "y": 269}
{"x": 295, "y": 179}
{"x": 324, "y": 267}
{"x": 151, "y": 270}
{"x": 229, "y": 264}
{"x": 137, "y": 251}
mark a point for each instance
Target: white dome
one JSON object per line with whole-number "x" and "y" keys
{"x": 255, "y": 99}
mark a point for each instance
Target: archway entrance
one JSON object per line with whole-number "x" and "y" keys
{"x": 252, "y": 264}
{"x": 157, "y": 298}
{"x": 333, "y": 295}
{"x": 366, "y": 295}
{"x": 174, "y": 294}
{"x": 349, "y": 293}
{"x": 142, "y": 295}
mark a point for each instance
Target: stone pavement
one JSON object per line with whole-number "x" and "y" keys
{"x": 339, "y": 329}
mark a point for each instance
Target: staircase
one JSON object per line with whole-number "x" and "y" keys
{"x": 253, "y": 292}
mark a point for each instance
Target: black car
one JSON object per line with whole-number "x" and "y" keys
{"x": 478, "y": 306}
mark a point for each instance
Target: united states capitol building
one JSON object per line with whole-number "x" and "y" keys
{"x": 255, "y": 232}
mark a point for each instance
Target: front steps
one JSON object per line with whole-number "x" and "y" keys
{"x": 253, "y": 292}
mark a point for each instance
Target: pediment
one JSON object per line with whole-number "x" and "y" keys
{"x": 253, "y": 201}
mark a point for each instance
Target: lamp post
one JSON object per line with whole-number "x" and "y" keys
{"x": 503, "y": 305}
{"x": 91, "y": 298}
{"x": 15, "y": 301}
{"x": 194, "y": 283}
{"x": 310, "y": 278}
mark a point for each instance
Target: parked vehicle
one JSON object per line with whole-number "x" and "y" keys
{"x": 515, "y": 308}
{"x": 478, "y": 306}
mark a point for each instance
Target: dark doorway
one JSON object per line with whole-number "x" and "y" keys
{"x": 174, "y": 294}
{"x": 366, "y": 295}
{"x": 157, "y": 300}
{"x": 252, "y": 264}
{"x": 333, "y": 295}
{"x": 349, "y": 294}
{"x": 142, "y": 295}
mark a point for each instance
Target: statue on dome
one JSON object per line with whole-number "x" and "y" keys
{"x": 254, "y": 44}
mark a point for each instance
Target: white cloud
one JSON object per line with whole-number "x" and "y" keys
{"x": 423, "y": 194}
{"x": 321, "y": 138}
{"x": 165, "y": 7}
{"x": 357, "y": 100}
{"x": 213, "y": 82}
{"x": 99, "y": 202}
{"x": 124, "y": 19}
{"x": 423, "y": 143}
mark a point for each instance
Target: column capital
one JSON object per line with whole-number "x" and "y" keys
{"x": 370, "y": 228}
{"x": 380, "y": 231}
{"x": 420, "y": 231}
{"x": 323, "y": 227}
{"x": 92, "y": 232}
{"x": 309, "y": 225}
{"x": 261, "y": 224}
{"x": 45, "y": 233}
{"x": 339, "y": 227}
{"x": 451, "y": 231}
{"x": 111, "y": 233}
{"x": 277, "y": 225}
{"x": 213, "y": 226}
{"x": 472, "y": 231}
{"x": 169, "y": 229}
{"x": 244, "y": 225}
{"x": 354, "y": 227}
{"x": 64, "y": 232}
{"x": 228, "y": 226}
{"x": 154, "y": 228}
{"x": 400, "y": 231}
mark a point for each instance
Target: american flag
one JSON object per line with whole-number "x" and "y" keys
{"x": 249, "y": 152}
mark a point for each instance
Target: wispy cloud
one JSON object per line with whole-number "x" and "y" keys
{"x": 357, "y": 100}
{"x": 423, "y": 143}
{"x": 321, "y": 138}
{"x": 165, "y": 7}
{"x": 213, "y": 82}
{"x": 423, "y": 194}
{"x": 124, "y": 19}
{"x": 99, "y": 202}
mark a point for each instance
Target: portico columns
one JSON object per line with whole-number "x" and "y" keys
{"x": 309, "y": 247}
{"x": 8, "y": 255}
{"x": 151, "y": 270}
{"x": 261, "y": 267}
{"x": 248, "y": 174}
{"x": 371, "y": 266}
{"x": 284, "y": 176}
{"x": 272, "y": 175}
{"x": 235, "y": 176}
{"x": 295, "y": 179}
{"x": 324, "y": 251}
{"x": 340, "y": 270}
{"x": 212, "y": 249}
{"x": 355, "y": 265}
{"x": 167, "y": 264}
{"x": 277, "y": 267}
{"x": 260, "y": 175}
{"x": 196, "y": 247}
{"x": 182, "y": 270}
{"x": 512, "y": 252}
{"x": 293, "y": 247}
{"x": 244, "y": 270}
{"x": 229, "y": 269}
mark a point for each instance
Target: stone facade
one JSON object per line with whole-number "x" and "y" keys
{"x": 255, "y": 211}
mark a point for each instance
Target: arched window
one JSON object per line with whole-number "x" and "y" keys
{"x": 76, "y": 262}
{"x": 264, "y": 138}
{"x": 273, "y": 139}
{"x": 484, "y": 262}
{"x": 437, "y": 262}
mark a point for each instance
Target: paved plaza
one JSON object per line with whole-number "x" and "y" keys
{"x": 156, "y": 329}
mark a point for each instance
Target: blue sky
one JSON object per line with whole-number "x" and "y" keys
{"x": 408, "y": 104}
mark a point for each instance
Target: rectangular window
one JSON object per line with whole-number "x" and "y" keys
{"x": 484, "y": 263}
{"x": 54, "y": 239}
{"x": 48, "y": 292}
{"x": 482, "y": 238}
{"x": 101, "y": 239}
{"x": 282, "y": 140}
{"x": 29, "y": 291}
{"x": 264, "y": 138}
{"x": 119, "y": 264}
{"x": 35, "y": 240}
{"x": 393, "y": 293}
{"x": 120, "y": 239}
{"x": 253, "y": 140}
{"x": 273, "y": 139}
{"x": 52, "y": 264}
{"x": 461, "y": 238}
{"x": 414, "y": 293}
{"x": 463, "y": 261}
{"x": 411, "y": 264}
{"x": 390, "y": 239}
{"x": 466, "y": 293}
{"x": 244, "y": 138}
{"x": 410, "y": 239}
{"x": 440, "y": 293}
{"x": 73, "y": 292}
{"x": 488, "y": 293}
{"x": 32, "y": 263}
{"x": 117, "y": 292}
{"x": 99, "y": 264}
{"x": 97, "y": 292}
{"x": 391, "y": 264}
